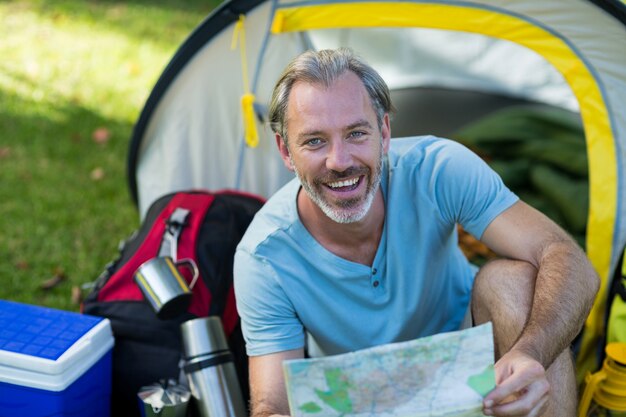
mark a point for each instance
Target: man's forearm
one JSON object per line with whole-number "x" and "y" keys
{"x": 264, "y": 409}
{"x": 266, "y": 414}
{"x": 565, "y": 289}
{"x": 267, "y": 385}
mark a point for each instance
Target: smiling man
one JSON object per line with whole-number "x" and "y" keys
{"x": 360, "y": 249}
{"x": 343, "y": 190}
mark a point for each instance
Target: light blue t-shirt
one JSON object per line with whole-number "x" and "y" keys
{"x": 419, "y": 284}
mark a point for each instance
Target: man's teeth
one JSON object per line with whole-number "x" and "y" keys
{"x": 346, "y": 183}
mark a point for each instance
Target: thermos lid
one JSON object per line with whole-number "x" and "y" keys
{"x": 203, "y": 336}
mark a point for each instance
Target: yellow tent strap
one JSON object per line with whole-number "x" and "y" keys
{"x": 500, "y": 24}
{"x": 251, "y": 134}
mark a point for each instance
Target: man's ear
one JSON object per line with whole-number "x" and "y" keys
{"x": 284, "y": 151}
{"x": 386, "y": 132}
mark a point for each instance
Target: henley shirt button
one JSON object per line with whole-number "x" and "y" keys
{"x": 376, "y": 284}
{"x": 374, "y": 270}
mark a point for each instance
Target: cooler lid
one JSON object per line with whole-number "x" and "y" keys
{"x": 48, "y": 348}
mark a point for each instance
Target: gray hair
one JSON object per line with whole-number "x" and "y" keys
{"x": 325, "y": 67}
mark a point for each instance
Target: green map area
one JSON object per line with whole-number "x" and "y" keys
{"x": 442, "y": 375}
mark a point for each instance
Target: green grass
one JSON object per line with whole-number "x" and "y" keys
{"x": 69, "y": 68}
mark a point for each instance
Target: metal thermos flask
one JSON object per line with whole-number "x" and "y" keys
{"x": 210, "y": 369}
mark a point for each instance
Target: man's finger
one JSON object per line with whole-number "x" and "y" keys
{"x": 507, "y": 391}
{"x": 529, "y": 401}
{"x": 526, "y": 405}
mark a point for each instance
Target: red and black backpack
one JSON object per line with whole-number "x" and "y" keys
{"x": 201, "y": 225}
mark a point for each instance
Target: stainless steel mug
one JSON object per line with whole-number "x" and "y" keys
{"x": 164, "y": 286}
{"x": 210, "y": 369}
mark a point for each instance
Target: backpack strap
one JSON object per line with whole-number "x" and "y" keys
{"x": 173, "y": 228}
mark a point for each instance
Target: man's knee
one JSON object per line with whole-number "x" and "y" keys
{"x": 503, "y": 288}
{"x": 502, "y": 294}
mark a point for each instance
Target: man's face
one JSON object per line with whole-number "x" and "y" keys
{"x": 335, "y": 146}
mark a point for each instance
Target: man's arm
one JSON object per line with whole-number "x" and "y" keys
{"x": 566, "y": 282}
{"x": 267, "y": 383}
{"x": 565, "y": 286}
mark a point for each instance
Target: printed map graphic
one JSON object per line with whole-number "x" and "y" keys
{"x": 443, "y": 375}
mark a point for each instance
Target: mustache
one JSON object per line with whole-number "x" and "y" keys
{"x": 332, "y": 176}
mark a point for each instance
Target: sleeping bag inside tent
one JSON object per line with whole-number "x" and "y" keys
{"x": 537, "y": 88}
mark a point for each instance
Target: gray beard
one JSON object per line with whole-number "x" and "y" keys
{"x": 346, "y": 214}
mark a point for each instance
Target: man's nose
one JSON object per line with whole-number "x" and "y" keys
{"x": 339, "y": 157}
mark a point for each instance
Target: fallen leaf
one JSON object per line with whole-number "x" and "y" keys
{"x": 117, "y": 11}
{"x": 22, "y": 265}
{"x": 101, "y": 135}
{"x": 133, "y": 68}
{"x": 59, "y": 17}
{"x": 77, "y": 295}
{"x": 97, "y": 174}
{"x": 57, "y": 278}
{"x": 5, "y": 151}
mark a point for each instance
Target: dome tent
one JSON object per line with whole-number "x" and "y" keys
{"x": 571, "y": 54}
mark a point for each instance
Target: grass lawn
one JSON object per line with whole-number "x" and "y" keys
{"x": 74, "y": 76}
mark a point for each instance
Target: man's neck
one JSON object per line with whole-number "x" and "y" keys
{"x": 356, "y": 242}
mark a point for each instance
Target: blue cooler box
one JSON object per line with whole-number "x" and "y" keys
{"x": 53, "y": 363}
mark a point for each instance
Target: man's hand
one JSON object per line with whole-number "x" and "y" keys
{"x": 521, "y": 387}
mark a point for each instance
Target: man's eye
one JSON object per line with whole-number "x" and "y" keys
{"x": 356, "y": 134}
{"x": 313, "y": 142}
